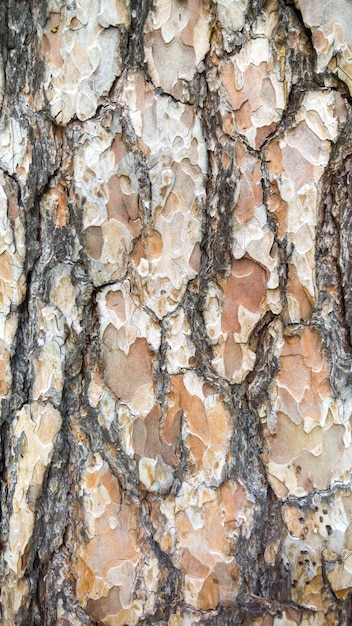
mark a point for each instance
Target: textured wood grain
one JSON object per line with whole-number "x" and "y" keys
{"x": 175, "y": 312}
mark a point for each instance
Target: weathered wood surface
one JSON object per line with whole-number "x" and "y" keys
{"x": 175, "y": 312}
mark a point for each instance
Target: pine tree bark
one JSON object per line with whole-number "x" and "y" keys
{"x": 175, "y": 271}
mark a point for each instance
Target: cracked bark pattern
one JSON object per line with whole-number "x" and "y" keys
{"x": 175, "y": 312}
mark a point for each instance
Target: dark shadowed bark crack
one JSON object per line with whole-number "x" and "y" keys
{"x": 168, "y": 591}
{"x": 139, "y": 11}
{"x": 332, "y": 312}
{"x": 23, "y": 66}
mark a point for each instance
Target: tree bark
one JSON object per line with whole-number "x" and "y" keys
{"x": 175, "y": 307}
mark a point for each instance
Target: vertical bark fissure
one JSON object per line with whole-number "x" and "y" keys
{"x": 333, "y": 287}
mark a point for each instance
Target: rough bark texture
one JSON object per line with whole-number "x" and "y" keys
{"x": 176, "y": 312}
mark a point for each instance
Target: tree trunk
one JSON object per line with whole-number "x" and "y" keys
{"x": 176, "y": 312}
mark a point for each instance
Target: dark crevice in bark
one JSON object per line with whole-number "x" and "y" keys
{"x": 308, "y": 61}
{"x": 217, "y": 240}
{"x": 21, "y": 358}
{"x": 324, "y": 567}
{"x": 247, "y": 466}
{"x": 326, "y": 77}
{"x": 283, "y": 247}
{"x": 261, "y": 581}
{"x": 325, "y": 495}
{"x": 247, "y": 446}
{"x": 20, "y": 395}
{"x": 225, "y": 617}
{"x": 121, "y": 465}
{"x": 102, "y": 436}
{"x": 255, "y": 8}
{"x": 59, "y": 494}
{"x": 63, "y": 594}
{"x": 161, "y": 377}
{"x": 301, "y": 66}
{"x": 264, "y": 583}
{"x": 193, "y": 307}
{"x": 225, "y": 47}
{"x": 53, "y": 507}
{"x": 217, "y": 232}
{"x": 345, "y": 613}
{"x": 58, "y": 503}
{"x": 25, "y": 337}
{"x": 167, "y": 595}
{"x": 135, "y": 45}
{"x": 344, "y": 259}
{"x": 45, "y": 158}
{"x": 333, "y": 263}
{"x": 221, "y": 190}
{"x": 266, "y": 366}
{"x": 4, "y": 513}
{"x": 23, "y": 65}
{"x": 55, "y": 504}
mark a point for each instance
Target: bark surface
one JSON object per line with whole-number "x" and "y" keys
{"x": 175, "y": 312}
